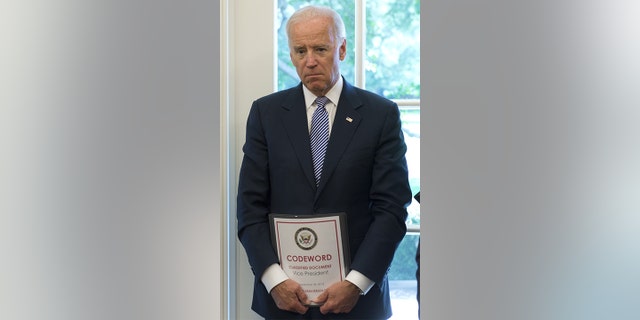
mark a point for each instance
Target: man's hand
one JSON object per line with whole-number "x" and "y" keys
{"x": 340, "y": 297}
{"x": 289, "y": 296}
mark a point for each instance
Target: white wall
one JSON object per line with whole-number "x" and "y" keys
{"x": 109, "y": 160}
{"x": 251, "y": 56}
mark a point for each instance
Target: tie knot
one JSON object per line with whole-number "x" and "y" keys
{"x": 321, "y": 101}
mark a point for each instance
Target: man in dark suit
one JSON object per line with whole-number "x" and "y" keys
{"x": 364, "y": 174}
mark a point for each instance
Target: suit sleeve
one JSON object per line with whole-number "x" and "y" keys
{"x": 389, "y": 195}
{"x": 253, "y": 205}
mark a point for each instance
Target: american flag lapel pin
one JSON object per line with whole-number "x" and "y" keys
{"x": 349, "y": 119}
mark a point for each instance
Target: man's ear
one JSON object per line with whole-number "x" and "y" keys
{"x": 343, "y": 49}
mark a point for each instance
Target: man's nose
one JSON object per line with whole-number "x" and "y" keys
{"x": 311, "y": 60}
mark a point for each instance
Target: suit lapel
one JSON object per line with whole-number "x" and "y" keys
{"x": 294, "y": 120}
{"x": 345, "y": 124}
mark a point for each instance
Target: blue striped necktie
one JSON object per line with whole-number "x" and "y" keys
{"x": 319, "y": 136}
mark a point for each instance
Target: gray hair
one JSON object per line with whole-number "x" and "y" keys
{"x": 309, "y": 12}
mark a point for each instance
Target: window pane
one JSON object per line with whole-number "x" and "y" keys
{"x": 410, "y": 117}
{"x": 287, "y": 76}
{"x": 392, "y": 69}
{"x": 392, "y": 66}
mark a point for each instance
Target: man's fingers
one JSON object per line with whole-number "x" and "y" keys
{"x": 340, "y": 298}
{"x": 287, "y": 296}
{"x": 321, "y": 298}
{"x": 302, "y": 296}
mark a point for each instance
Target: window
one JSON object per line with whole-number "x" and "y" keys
{"x": 383, "y": 56}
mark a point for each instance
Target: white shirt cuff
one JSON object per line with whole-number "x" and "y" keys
{"x": 273, "y": 276}
{"x": 360, "y": 280}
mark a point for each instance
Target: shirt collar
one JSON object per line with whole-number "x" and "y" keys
{"x": 333, "y": 94}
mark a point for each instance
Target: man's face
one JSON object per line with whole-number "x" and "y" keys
{"x": 316, "y": 54}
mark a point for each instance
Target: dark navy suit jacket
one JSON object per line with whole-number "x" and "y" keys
{"x": 364, "y": 175}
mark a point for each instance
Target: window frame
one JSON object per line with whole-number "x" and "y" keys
{"x": 360, "y": 47}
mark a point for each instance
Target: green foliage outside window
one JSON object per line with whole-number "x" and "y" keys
{"x": 404, "y": 263}
{"x": 392, "y": 57}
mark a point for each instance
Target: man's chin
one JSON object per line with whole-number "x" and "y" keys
{"x": 315, "y": 86}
